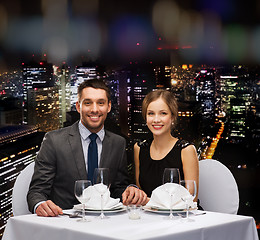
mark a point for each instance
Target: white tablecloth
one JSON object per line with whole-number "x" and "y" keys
{"x": 211, "y": 226}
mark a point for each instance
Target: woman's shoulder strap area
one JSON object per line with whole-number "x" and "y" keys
{"x": 182, "y": 143}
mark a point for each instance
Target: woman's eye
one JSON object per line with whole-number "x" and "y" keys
{"x": 150, "y": 113}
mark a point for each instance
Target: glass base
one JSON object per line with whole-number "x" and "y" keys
{"x": 172, "y": 217}
{"x": 102, "y": 216}
{"x": 84, "y": 220}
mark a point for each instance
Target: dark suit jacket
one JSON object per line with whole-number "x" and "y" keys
{"x": 60, "y": 162}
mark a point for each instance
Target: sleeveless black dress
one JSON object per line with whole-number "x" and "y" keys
{"x": 151, "y": 171}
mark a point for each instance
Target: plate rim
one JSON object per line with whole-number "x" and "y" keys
{"x": 161, "y": 210}
{"x": 112, "y": 210}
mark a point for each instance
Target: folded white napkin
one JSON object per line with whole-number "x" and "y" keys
{"x": 161, "y": 198}
{"x": 95, "y": 198}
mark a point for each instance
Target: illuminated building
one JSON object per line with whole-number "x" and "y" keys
{"x": 35, "y": 75}
{"x": 205, "y": 95}
{"x": 82, "y": 73}
{"x": 43, "y": 106}
{"x": 162, "y": 76}
{"x": 64, "y": 92}
{"x": 139, "y": 83}
{"x": 18, "y": 147}
{"x": 135, "y": 81}
{"x": 11, "y": 84}
{"x": 114, "y": 115}
{"x": 235, "y": 101}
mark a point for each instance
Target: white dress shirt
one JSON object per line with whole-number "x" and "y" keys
{"x": 85, "y": 140}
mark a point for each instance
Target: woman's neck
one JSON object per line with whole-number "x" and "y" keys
{"x": 163, "y": 141}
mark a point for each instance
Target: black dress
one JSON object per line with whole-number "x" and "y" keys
{"x": 151, "y": 171}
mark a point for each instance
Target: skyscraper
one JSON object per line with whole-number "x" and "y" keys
{"x": 18, "y": 147}
{"x": 44, "y": 108}
{"x": 35, "y": 75}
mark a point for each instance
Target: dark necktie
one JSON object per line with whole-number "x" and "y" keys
{"x": 92, "y": 156}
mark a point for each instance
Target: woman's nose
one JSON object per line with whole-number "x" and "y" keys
{"x": 156, "y": 118}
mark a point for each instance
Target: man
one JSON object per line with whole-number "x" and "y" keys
{"x": 63, "y": 157}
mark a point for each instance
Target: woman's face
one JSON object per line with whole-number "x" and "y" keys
{"x": 159, "y": 117}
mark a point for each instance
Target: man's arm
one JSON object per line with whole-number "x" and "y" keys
{"x": 44, "y": 172}
{"x": 121, "y": 180}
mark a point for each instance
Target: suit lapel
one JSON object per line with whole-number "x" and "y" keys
{"x": 106, "y": 148}
{"x": 77, "y": 151}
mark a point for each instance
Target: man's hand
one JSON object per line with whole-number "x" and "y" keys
{"x": 133, "y": 195}
{"x": 48, "y": 209}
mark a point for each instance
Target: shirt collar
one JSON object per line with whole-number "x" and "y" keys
{"x": 84, "y": 132}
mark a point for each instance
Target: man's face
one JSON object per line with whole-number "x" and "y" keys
{"x": 93, "y": 108}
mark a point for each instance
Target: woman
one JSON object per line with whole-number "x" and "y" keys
{"x": 160, "y": 111}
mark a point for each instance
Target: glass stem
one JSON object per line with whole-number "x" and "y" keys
{"x": 187, "y": 212}
{"x": 102, "y": 212}
{"x": 83, "y": 212}
{"x": 171, "y": 215}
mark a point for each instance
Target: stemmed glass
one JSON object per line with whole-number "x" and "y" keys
{"x": 83, "y": 196}
{"x": 101, "y": 183}
{"x": 171, "y": 175}
{"x": 191, "y": 186}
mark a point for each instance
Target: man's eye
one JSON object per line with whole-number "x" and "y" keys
{"x": 101, "y": 103}
{"x": 86, "y": 103}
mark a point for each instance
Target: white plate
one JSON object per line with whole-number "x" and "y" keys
{"x": 160, "y": 210}
{"x": 117, "y": 208}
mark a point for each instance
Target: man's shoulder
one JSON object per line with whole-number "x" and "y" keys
{"x": 63, "y": 131}
{"x": 114, "y": 136}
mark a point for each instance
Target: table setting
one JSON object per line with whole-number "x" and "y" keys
{"x": 173, "y": 197}
{"x": 170, "y": 213}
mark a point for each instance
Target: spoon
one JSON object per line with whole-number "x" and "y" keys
{"x": 72, "y": 215}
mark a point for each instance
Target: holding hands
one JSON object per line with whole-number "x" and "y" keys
{"x": 133, "y": 195}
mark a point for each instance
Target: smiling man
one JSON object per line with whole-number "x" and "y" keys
{"x": 63, "y": 157}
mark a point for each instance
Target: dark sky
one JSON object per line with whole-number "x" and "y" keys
{"x": 93, "y": 29}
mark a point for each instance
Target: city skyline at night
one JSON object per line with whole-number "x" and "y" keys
{"x": 205, "y": 52}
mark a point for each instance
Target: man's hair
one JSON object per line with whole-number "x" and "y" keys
{"x": 94, "y": 83}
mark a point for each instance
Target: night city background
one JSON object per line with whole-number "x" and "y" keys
{"x": 206, "y": 52}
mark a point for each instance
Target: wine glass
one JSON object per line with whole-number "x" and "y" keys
{"x": 191, "y": 186}
{"x": 101, "y": 184}
{"x": 171, "y": 175}
{"x": 83, "y": 196}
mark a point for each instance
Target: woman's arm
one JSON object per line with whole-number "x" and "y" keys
{"x": 137, "y": 164}
{"x": 190, "y": 165}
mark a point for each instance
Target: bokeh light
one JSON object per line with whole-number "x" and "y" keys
{"x": 131, "y": 36}
{"x": 255, "y": 49}
{"x": 3, "y": 21}
{"x": 235, "y": 43}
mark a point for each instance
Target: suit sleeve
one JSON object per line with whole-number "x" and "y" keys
{"x": 44, "y": 172}
{"x": 122, "y": 180}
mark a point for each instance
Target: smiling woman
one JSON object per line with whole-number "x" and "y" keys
{"x": 164, "y": 150}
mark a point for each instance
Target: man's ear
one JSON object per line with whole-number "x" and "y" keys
{"x": 109, "y": 107}
{"x": 78, "y": 106}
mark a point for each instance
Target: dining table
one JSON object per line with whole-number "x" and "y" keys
{"x": 205, "y": 225}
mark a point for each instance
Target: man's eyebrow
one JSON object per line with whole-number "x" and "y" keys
{"x": 89, "y": 99}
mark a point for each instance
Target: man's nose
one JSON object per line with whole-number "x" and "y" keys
{"x": 94, "y": 107}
